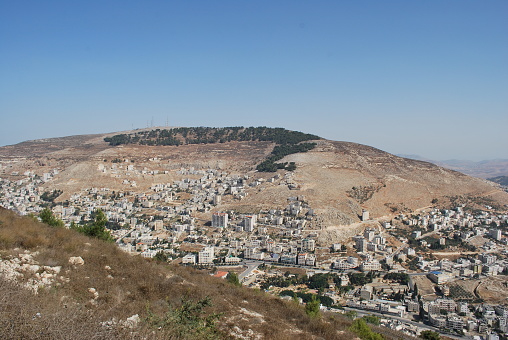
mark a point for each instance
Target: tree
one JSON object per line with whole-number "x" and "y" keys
{"x": 415, "y": 291}
{"x": 96, "y": 229}
{"x": 318, "y": 281}
{"x": 47, "y": 217}
{"x": 325, "y": 300}
{"x": 312, "y": 307}
{"x": 161, "y": 257}
{"x": 372, "y": 319}
{"x": 360, "y": 327}
{"x": 430, "y": 335}
{"x": 351, "y": 314}
{"x": 233, "y": 278}
{"x": 287, "y": 292}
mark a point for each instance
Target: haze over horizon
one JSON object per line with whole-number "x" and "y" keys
{"x": 426, "y": 78}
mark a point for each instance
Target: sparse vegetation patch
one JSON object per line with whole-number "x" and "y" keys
{"x": 363, "y": 193}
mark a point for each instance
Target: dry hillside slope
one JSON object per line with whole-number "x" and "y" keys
{"x": 338, "y": 179}
{"x": 57, "y": 284}
{"x": 383, "y": 183}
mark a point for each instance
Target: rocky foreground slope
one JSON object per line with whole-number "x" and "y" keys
{"x": 58, "y": 284}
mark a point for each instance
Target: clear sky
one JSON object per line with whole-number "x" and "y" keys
{"x": 412, "y": 77}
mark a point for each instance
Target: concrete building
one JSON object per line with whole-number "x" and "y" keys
{"x": 413, "y": 306}
{"x": 368, "y": 266}
{"x": 437, "y": 320}
{"x": 365, "y": 215}
{"x": 366, "y": 292}
{"x": 220, "y": 220}
{"x": 495, "y": 234}
{"x": 360, "y": 244}
{"x": 158, "y": 225}
{"x": 416, "y": 234}
{"x": 302, "y": 257}
{"x": 189, "y": 259}
{"x": 217, "y": 199}
{"x": 249, "y": 223}
{"x": 453, "y": 321}
{"x": 206, "y": 256}
{"x": 487, "y": 258}
{"x": 309, "y": 244}
{"x": 439, "y": 277}
{"x": 369, "y": 234}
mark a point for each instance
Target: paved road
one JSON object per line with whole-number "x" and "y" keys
{"x": 402, "y": 246}
{"x": 128, "y": 232}
{"x": 250, "y": 267}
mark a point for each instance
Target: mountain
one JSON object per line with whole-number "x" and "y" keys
{"x": 502, "y": 180}
{"x": 337, "y": 179}
{"x": 416, "y": 157}
{"x": 482, "y": 169}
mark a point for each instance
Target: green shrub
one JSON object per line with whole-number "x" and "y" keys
{"x": 360, "y": 327}
{"x": 188, "y": 321}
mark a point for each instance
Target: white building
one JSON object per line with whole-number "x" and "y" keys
{"x": 495, "y": 234}
{"x": 189, "y": 259}
{"x": 249, "y": 222}
{"x": 309, "y": 244}
{"x": 370, "y": 266}
{"x": 206, "y": 256}
{"x": 365, "y": 215}
{"x": 220, "y": 220}
{"x": 158, "y": 225}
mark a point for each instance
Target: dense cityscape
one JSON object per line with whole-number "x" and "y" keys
{"x": 434, "y": 269}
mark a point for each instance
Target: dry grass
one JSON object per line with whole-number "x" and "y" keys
{"x": 25, "y": 316}
{"x": 128, "y": 285}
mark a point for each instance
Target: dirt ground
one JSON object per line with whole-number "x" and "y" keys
{"x": 492, "y": 290}
{"x": 425, "y": 287}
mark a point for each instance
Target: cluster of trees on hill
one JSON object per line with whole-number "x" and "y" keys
{"x": 288, "y": 142}
{"x": 49, "y": 198}
{"x": 279, "y": 152}
{"x": 401, "y": 278}
{"x": 207, "y": 135}
{"x": 308, "y": 297}
{"x": 320, "y": 281}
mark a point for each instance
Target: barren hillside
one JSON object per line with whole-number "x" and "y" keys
{"x": 383, "y": 183}
{"x": 338, "y": 179}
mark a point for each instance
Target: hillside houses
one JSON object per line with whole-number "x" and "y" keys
{"x": 186, "y": 219}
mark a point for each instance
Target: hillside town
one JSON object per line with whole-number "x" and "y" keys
{"x": 436, "y": 269}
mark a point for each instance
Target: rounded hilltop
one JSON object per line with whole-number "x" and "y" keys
{"x": 338, "y": 179}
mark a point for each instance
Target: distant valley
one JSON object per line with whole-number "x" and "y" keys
{"x": 482, "y": 169}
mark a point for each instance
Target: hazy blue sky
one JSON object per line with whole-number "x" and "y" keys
{"x": 413, "y": 77}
